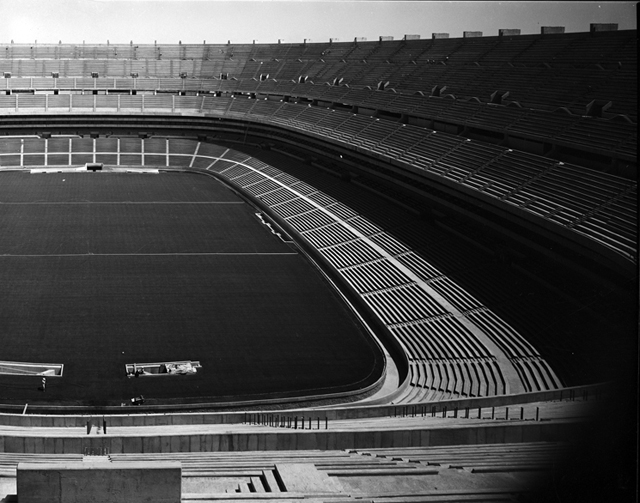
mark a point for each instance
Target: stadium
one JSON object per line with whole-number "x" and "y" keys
{"x": 388, "y": 270}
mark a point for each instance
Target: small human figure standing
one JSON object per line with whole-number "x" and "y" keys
{"x": 44, "y": 384}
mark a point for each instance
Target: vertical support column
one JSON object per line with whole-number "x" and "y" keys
{"x": 22, "y": 152}
{"x": 46, "y": 102}
{"x": 142, "y": 110}
{"x": 118, "y": 152}
{"x": 118, "y": 102}
{"x": 167, "y": 151}
{"x": 17, "y": 106}
{"x": 94, "y": 150}
{"x": 70, "y": 146}
{"x": 46, "y": 152}
{"x": 142, "y": 151}
{"x": 173, "y": 103}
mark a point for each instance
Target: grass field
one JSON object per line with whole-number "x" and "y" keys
{"x": 103, "y": 269}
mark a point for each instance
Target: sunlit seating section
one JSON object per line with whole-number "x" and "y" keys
{"x": 130, "y": 151}
{"x": 107, "y": 151}
{"x": 240, "y": 106}
{"x": 130, "y": 103}
{"x": 265, "y": 109}
{"x": 193, "y": 103}
{"x": 217, "y": 105}
{"x": 364, "y": 62}
{"x": 59, "y": 102}
{"x": 81, "y": 150}
{"x": 158, "y": 102}
{"x": 106, "y": 102}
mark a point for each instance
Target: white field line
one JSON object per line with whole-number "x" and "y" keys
{"x": 176, "y": 254}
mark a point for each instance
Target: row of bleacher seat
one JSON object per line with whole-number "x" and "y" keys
{"x": 531, "y": 88}
{"x": 569, "y": 49}
{"x": 552, "y": 85}
{"x": 573, "y": 130}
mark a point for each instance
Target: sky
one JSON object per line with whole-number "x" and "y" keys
{"x": 292, "y": 21}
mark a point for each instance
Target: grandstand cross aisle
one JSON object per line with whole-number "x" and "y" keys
{"x": 400, "y": 269}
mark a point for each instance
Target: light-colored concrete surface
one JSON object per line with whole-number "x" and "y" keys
{"x": 306, "y": 478}
{"x": 7, "y": 487}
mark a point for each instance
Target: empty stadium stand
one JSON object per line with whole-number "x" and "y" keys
{"x": 475, "y": 198}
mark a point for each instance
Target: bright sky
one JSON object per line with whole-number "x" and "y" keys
{"x": 266, "y": 21}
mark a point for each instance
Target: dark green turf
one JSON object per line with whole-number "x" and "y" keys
{"x": 261, "y": 325}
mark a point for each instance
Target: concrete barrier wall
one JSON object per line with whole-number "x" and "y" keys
{"x": 99, "y": 482}
{"x": 520, "y": 431}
